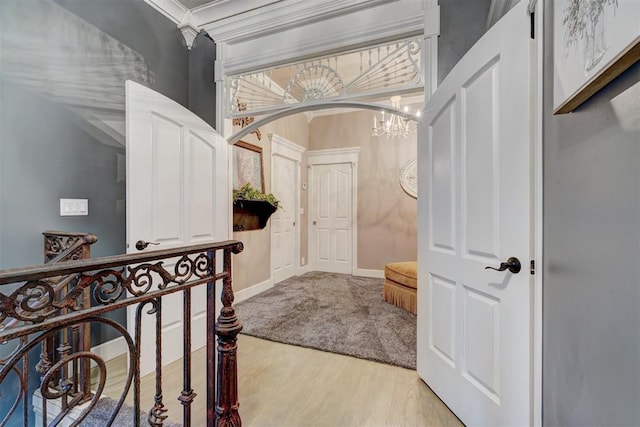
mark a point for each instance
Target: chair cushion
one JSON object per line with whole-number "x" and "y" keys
{"x": 405, "y": 273}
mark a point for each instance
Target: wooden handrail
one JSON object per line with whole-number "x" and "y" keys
{"x": 37, "y": 272}
{"x": 119, "y": 281}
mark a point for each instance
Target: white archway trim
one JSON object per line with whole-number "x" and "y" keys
{"x": 321, "y": 105}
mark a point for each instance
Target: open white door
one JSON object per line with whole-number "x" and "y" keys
{"x": 475, "y": 199}
{"x": 177, "y": 195}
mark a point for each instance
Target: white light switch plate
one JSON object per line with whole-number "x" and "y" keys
{"x": 74, "y": 207}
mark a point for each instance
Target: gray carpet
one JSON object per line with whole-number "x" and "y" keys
{"x": 333, "y": 312}
{"x": 101, "y": 413}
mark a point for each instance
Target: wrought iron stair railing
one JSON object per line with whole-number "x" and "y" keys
{"x": 40, "y": 314}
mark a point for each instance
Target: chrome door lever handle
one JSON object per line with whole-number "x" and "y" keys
{"x": 512, "y": 264}
{"x": 142, "y": 245}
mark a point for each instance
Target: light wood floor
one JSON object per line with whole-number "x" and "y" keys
{"x": 283, "y": 385}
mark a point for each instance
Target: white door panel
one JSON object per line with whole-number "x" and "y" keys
{"x": 177, "y": 194}
{"x": 283, "y": 222}
{"x": 332, "y": 204}
{"x": 474, "y": 324}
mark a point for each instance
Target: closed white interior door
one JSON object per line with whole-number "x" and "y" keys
{"x": 332, "y": 217}
{"x": 284, "y": 227}
{"x": 475, "y": 193}
{"x": 177, "y": 195}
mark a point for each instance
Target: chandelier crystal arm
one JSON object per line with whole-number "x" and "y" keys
{"x": 394, "y": 125}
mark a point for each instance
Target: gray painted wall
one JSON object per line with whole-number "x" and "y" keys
{"x": 202, "y": 90}
{"x": 462, "y": 23}
{"x": 591, "y": 335}
{"x": 49, "y": 151}
{"x": 63, "y": 65}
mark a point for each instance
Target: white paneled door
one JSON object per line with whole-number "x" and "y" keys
{"x": 332, "y": 200}
{"x": 177, "y": 194}
{"x": 283, "y": 221}
{"x": 474, "y": 324}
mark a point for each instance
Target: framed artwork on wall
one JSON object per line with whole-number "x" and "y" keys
{"x": 594, "y": 42}
{"x": 247, "y": 166}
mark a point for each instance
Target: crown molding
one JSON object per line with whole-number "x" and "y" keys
{"x": 275, "y": 17}
{"x": 189, "y": 29}
{"x": 226, "y": 10}
{"x": 179, "y": 15}
{"x": 363, "y": 34}
{"x": 171, "y": 9}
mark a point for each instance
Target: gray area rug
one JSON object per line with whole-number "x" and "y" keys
{"x": 338, "y": 313}
{"x": 101, "y": 413}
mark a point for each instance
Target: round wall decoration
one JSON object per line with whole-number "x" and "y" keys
{"x": 409, "y": 178}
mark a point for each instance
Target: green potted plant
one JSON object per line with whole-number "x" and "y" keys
{"x": 252, "y": 208}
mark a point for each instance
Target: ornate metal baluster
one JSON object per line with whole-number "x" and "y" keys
{"x": 157, "y": 414}
{"x": 63, "y": 382}
{"x": 25, "y": 388}
{"x": 187, "y": 395}
{"x": 211, "y": 342}
{"x": 42, "y": 367}
{"x": 227, "y": 328}
{"x": 53, "y": 319}
{"x": 136, "y": 377}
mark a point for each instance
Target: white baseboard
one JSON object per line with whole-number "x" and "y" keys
{"x": 378, "y": 274}
{"x": 110, "y": 349}
{"x": 305, "y": 269}
{"x": 251, "y": 291}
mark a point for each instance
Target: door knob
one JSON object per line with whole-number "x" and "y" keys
{"x": 512, "y": 264}
{"x": 142, "y": 245}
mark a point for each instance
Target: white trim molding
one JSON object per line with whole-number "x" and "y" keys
{"x": 283, "y": 148}
{"x": 364, "y": 272}
{"x": 189, "y": 29}
{"x": 179, "y": 15}
{"x": 111, "y": 349}
{"x": 333, "y": 155}
{"x": 317, "y": 28}
{"x": 172, "y": 9}
{"x": 270, "y": 16}
{"x": 252, "y": 291}
{"x": 305, "y": 269}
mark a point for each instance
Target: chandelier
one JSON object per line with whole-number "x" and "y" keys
{"x": 393, "y": 125}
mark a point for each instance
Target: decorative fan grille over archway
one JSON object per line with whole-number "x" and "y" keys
{"x": 313, "y": 83}
{"x": 373, "y": 71}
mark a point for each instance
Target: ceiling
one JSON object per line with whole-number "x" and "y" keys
{"x": 226, "y": 7}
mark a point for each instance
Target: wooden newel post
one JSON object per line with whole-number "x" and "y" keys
{"x": 227, "y": 329}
